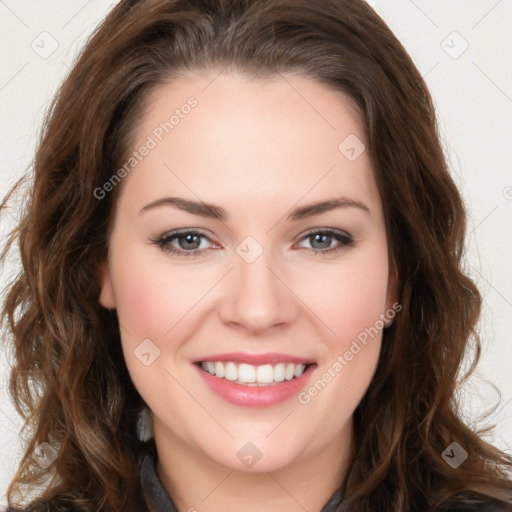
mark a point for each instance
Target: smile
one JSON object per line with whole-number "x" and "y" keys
{"x": 255, "y": 386}
{"x": 251, "y": 375}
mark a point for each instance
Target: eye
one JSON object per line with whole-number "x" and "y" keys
{"x": 188, "y": 243}
{"x": 321, "y": 240}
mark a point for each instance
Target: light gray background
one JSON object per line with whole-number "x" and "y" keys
{"x": 472, "y": 90}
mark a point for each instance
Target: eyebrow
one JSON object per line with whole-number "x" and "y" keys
{"x": 217, "y": 212}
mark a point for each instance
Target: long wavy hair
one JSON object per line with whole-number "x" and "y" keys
{"x": 69, "y": 380}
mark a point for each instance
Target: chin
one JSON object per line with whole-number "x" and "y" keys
{"x": 256, "y": 457}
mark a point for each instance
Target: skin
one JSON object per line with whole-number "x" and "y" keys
{"x": 258, "y": 149}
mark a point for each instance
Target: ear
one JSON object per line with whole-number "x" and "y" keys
{"x": 106, "y": 298}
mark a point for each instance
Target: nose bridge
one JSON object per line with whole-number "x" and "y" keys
{"x": 258, "y": 297}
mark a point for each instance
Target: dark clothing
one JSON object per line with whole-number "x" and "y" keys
{"x": 158, "y": 500}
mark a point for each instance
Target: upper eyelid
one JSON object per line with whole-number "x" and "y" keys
{"x": 302, "y": 236}
{"x": 186, "y": 231}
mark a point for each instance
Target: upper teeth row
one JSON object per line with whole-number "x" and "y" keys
{"x": 264, "y": 374}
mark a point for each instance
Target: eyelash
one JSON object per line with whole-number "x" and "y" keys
{"x": 163, "y": 242}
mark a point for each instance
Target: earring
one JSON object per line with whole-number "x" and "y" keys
{"x": 144, "y": 426}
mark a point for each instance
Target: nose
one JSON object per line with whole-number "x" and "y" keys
{"x": 257, "y": 297}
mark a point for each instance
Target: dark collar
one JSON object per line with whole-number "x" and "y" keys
{"x": 156, "y": 496}
{"x": 159, "y": 501}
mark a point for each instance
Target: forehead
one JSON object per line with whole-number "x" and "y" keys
{"x": 235, "y": 98}
{"x": 250, "y": 137}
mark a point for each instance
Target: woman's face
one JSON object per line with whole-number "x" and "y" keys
{"x": 252, "y": 290}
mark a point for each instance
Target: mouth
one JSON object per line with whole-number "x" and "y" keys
{"x": 250, "y": 375}
{"x": 246, "y": 379}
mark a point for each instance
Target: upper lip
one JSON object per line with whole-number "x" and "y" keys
{"x": 255, "y": 359}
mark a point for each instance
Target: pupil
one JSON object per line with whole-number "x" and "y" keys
{"x": 189, "y": 240}
{"x": 318, "y": 237}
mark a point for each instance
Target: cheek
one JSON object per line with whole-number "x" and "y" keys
{"x": 153, "y": 302}
{"x": 349, "y": 298}
{"x": 151, "y": 298}
{"x": 351, "y": 308}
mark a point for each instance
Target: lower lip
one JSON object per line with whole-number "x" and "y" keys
{"x": 255, "y": 396}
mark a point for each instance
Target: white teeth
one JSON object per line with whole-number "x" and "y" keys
{"x": 289, "y": 371}
{"x": 299, "y": 370}
{"x": 265, "y": 374}
{"x": 279, "y": 372}
{"x": 246, "y": 373}
{"x": 249, "y": 374}
{"x": 218, "y": 370}
{"x": 231, "y": 371}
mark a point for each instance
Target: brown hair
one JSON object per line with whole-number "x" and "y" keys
{"x": 69, "y": 379}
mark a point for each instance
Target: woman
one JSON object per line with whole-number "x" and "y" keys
{"x": 242, "y": 282}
